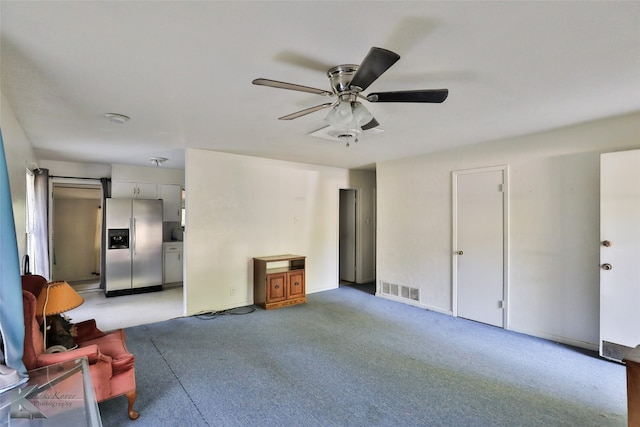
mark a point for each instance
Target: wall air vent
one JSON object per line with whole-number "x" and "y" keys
{"x": 404, "y": 292}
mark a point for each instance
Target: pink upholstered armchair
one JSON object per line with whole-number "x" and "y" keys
{"x": 111, "y": 366}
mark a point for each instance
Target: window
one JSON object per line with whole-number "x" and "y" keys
{"x": 182, "y": 211}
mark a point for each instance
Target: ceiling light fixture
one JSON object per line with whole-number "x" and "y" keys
{"x": 347, "y": 118}
{"x": 158, "y": 161}
{"x": 117, "y": 118}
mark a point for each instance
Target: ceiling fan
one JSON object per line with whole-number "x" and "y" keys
{"x": 348, "y": 116}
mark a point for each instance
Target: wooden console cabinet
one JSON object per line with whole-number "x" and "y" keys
{"x": 632, "y": 360}
{"x": 278, "y": 281}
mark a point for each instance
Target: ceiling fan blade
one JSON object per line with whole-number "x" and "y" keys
{"x": 305, "y": 111}
{"x": 291, "y": 86}
{"x": 427, "y": 96}
{"x": 376, "y": 62}
{"x": 372, "y": 124}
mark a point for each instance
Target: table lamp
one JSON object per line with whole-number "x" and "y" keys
{"x": 56, "y": 298}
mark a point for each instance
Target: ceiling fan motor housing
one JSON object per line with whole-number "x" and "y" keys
{"x": 341, "y": 76}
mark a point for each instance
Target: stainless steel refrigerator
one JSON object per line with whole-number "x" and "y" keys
{"x": 133, "y": 258}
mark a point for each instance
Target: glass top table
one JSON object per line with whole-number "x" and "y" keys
{"x": 55, "y": 395}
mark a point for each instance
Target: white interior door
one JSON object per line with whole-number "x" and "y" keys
{"x": 619, "y": 252}
{"x": 479, "y": 245}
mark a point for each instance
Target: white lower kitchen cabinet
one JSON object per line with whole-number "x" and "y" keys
{"x": 173, "y": 262}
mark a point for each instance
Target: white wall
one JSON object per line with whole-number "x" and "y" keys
{"x": 19, "y": 154}
{"x": 157, "y": 175}
{"x": 554, "y": 224}
{"x": 77, "y": 253}
{"x": 75, "y": 169}
{"x": 240, "y": 207}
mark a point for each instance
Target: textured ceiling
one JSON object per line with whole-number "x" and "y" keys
{"x": 182, "y": 71}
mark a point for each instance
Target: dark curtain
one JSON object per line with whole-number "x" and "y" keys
{"x": 12, "y": 369}
{"x": 41, "y": 224}
{"x": 106, "y": 193}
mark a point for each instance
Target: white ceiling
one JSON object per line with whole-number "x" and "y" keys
{"x": 182, "y": 71}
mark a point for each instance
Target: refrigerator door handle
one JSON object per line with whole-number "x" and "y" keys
{"x": 133, "y": 235}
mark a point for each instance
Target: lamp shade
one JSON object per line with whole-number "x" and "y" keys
{"x": 361, "y": 114}
{"x": 340, "y": 115}
{"x": 56, "y": 298}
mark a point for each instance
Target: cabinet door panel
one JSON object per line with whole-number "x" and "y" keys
{"x": 123, "y": 190}
{"x": 147, "y": 191}
{"x": 296, "y": 284}
{"x": 172, "y": 267}
{"x": 133, "y": 190}
{"x": 276, "y": 285}
{"x": 171, "y": 195}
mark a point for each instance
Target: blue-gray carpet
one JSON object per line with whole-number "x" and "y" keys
{"x": 346, "y": 358}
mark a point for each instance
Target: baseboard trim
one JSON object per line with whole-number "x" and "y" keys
{"x": 549, "y": 337}
{"x": 414, "y": 303}
{"x": 559, "y": 339}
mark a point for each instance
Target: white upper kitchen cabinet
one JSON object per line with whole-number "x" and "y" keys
{"x": 133, "y": 190}
{"x": 171, "y": 195}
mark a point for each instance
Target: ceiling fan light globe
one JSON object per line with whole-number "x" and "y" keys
{"x": 361, "y": 115}
{"x": 332, "y": 117}
{"x": 340, "y": 115}
{"x": 345, "y": 112}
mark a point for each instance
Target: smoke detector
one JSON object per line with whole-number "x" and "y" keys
{"x": 117, "y": 118}
{"x": 158, "y": 161}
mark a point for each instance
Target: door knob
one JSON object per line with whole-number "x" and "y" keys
{"x": 607, "y": 266}
{"x": 459, "y": 252}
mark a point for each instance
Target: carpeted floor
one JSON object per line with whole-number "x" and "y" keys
{"x": 369, "y": 288}
{"x": 346, "y": 358}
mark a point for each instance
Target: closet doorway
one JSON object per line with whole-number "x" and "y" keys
{"x": 347, "y": 235}
{"x": 76, "y": 232}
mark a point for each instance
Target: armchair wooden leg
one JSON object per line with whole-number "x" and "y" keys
{"x": 131, "y": 397}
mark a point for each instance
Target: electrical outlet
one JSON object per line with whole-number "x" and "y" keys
{"x": 232, "y": 291}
